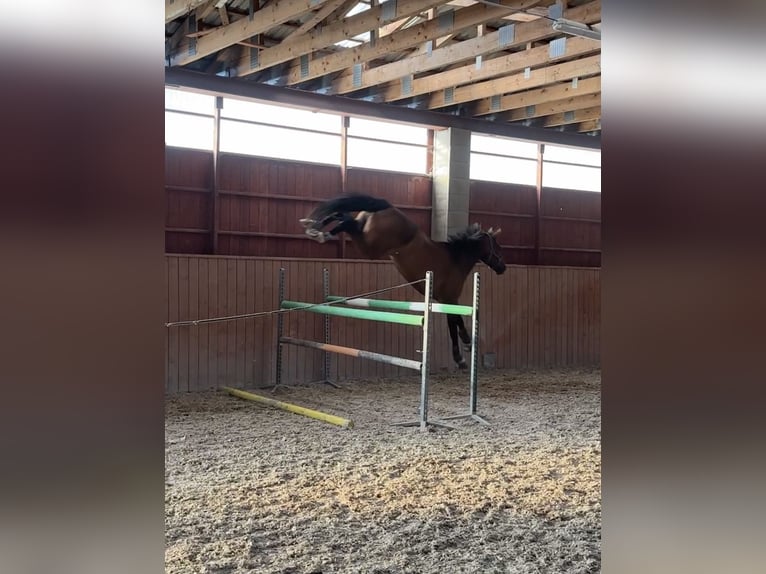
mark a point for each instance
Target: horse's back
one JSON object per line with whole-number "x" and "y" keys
{"x": 388, "y": 229}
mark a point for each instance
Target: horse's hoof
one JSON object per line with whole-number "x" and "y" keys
{"x": 316, "y": 235}
{"x": 307, "y": 222}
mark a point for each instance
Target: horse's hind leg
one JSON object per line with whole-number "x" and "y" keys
{"x": 453, "y": 322}
{"x": 348, "y": 224}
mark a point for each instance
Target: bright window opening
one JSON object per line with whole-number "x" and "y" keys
{"x": 564, "y": 176}
{"x": 503, "y": 169}
{"x": 189, "y": 102}
{"x": 503, "y": 146}
{"x": 284, "y": 116}
{"x": 387, "y": 156}
{"x": 282, "y": 143}
{"x": 184, "y": 130}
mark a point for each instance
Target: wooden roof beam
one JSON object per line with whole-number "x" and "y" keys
{"x": 589, "y": 126}
{"x": 572, "y": 117}
{"x": 177, "y": 8}
{"x": 493, "y": 68}
{"x": 536, "y": 78}
{"x": 447, "y": 23}
{"x": 537, "y": 96}
{"x": 552, "y": 107}
{"x": 264, "y": 19}
{"x": 326, "y": 9}
{"x": 330, "y": 34}
{"x": 462, "y": 51}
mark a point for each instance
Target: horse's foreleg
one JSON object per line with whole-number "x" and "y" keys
{"x": 452, "y": 324}
{"x": 464, "y": 336}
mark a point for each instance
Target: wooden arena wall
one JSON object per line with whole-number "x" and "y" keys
{"x": 260, "y": 200}
{"x": 532, "y": 317}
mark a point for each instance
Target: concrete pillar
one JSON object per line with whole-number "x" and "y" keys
{"x": 452, "y": 156}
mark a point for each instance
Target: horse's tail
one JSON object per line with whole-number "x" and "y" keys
{"x": 343, "y": 204}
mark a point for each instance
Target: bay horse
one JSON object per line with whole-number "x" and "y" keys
{"x": 381, "y": 230}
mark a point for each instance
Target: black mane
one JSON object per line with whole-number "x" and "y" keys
{"x": 466, "y": 240}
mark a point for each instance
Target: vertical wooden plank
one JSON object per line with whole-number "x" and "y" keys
{"x": 560, "y": 321}
{"x": 303, "y": 322}
{"x": 223, "y": 327}
{"x": 214, "y": 328}
{"x": 232, "y": 326}
{"x": 566, "y": 272}
{"x": 532, "y": 298}
{"x": 592, "y": 313}
{"x": 260, "y": 291}
{"x": 597, "y": 325}
{"x": 242, "y": 324}
{"x": 539, "y": 326}
{"x": 249, "y": 307}
{"x": 582, "y": 319}
{"x": 172, "y": 371}
{"x": 183, "y": 332}
{"x": 193, "y": 380}
{"x": 204, "y": 330}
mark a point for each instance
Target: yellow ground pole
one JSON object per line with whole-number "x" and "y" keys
{"x": 332, "y": 419}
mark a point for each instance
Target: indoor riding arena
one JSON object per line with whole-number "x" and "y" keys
{"x": 330, "y": 406}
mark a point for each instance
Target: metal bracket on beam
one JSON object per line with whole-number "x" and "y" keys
{"x": 569, "y": 116}
{"x": 506, "y": 35}
{"x": 530, "y": 111}
{"x": 254, "y": 57}
{"x": 478, "y": 62}
{"x": 356, "y": 76}
{"x": 494, "y": 102}
{"x": 449, "y": 95}
{"x": 304, "y": 65}
{"x": 557, "y": 48}
{"x": 192, "y": 27}
{"x": 407, "y": 85}
{"x": 574, "y": 83}
{"x": 555, "y": 11}
{"x": 430, "y": 47}
{"x": 527, "y": 73}
{"x": 446, "y": 20}
{"x": 388, "y": 11}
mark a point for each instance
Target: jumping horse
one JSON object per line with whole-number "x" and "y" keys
{"x": 381, "y": 230}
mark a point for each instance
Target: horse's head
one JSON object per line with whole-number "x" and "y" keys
{"x": 491, "y": 252}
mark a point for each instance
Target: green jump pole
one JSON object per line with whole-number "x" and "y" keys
{"x": 382, "y": 316}
{"x": 405, "y": 305}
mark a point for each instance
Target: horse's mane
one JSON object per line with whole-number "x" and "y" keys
{"x": 465, "y": 240}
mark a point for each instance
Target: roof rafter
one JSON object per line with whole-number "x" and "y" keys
{"x": 540, "y": 77}
{"x": 552, "y": 107}
{"x": 177, "y": 8}
{"x": 272, "y": 15}
{"x": 465, "y": 50}
{"x": 572, "y": 117}
{"x": 345, "y": 28}
{"x": 493, "y": 68}
{"x": 318, "y": 16}
{"x": 590, "y": 126}
{"x": 538, "y": 96}
{"x": 446, "y": 23}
